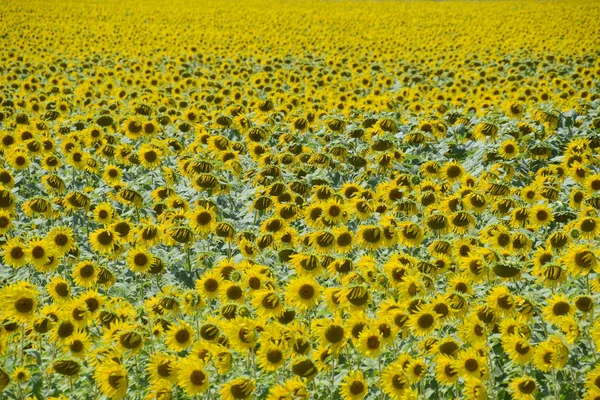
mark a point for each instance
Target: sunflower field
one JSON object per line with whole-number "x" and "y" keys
{"x": 294, "y": 200}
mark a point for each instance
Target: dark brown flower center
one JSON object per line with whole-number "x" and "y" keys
{"x": 234, "y": 292}
{"x": 522, "y": 348}
{"x": 357, "y": 387}
{"x": 274, "y": 356}
{"x": 211, "y": 285}
{"x": 527, "y": 386}
{"x": 105, "y": 238}
{"x": 24, "y": 304}
{"x": 182, "y": 336}
{"x": 140, "y": 259}
{"x": 373, "y": 343}
{"x": 585, "y": 259}
{"x": 86, "y": 271}
{"x": 425, "y": 321}
{"x": 306, "y": 291}
{"x": 164, "y": 368}
{"x": 62, "y": 289}
{"x": 334, "y": 334}
{"x": 38, "y": 252}
{"x": 471, "y": 365}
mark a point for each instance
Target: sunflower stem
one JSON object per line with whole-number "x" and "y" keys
{"x": 254, "y": 371}
{"x": 381, "y": 394}
{"x": 332, "y": 378}
{"x": 587, "y": 284}
{"x": 556, "y": 385}
{"x": 574, "y": 376}
{"x": 22, "y": 343}
{"x": 189, "y": 262}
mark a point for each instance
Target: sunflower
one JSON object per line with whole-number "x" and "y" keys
{"x": 544, "y": 357}
{"x": 148, "y": 234}
{"x": 18, "y": 301}
{"x": 370, "y": 237}
{"x": 509, "y": 149}
{"x": 322, "y": 241}
{"x": 139, "y": 260}
{"x": 592, "y": 183}
{"x": 356, "y": 297}
{"x": 150, "y": 156}
{"x": 331, "y": 332}
{"x": 162, "y": 367}
{"x": 437, "y": 222}
{"x": 474, "y": 389}
{"x": 452, "y": 171}
{"x": 18, "y": 160}
{"x": 59, "y": 289}
{"x": 344, "y": 240}
{"x": 21, "y": 375}
{"x": 77, "y": 312}
{"x": 484, "y": 131}
{"x": 111, "y": 379}
{"x": 361, "y": 208}
{"x": 518, "y": 348}
{"x": 78, "y": 344}
{"x": 132, "y": 128}
{"x": 5, "y": 221}
{"x": 580, "y": 259}
{"x": 445, "y": 370}
{"x": 370, "y": 341}
{"x": 415, "y": 369}
{"x": 103, "y": 240}
{"x": 461, "y": 222}
{"x": 424, "y": 321}
{"x": 123, "y": 231}
{"x": 14, "y": 253}
{"x": 271, "y": 356}
{"x": 112, "y": 175}
{"x": 354, "y": 386}
{"x": 303, "y": 293}
{"x": 38, "y": 252}
{"x": 232, "y": 292}
{"x": 473, "y": 331}
{"x": 394, "y": 381}
{"x": 523, "y": 388}
{"x": 334, "y": 212}
{"x": 558, "y": 308}
{"x": 306, "y": 264}
{"x": 180, "y": 336}
{"x": 242, "y": 333}
{"x": 267, "y": 303}
{"x": 62, "y": 330}
{"x": 588, "y": 227}
{"x": 410, "y": 234}
{"x": 540, "y": 216}
{"x": 209, "y": 284}
{"x": 239, "y": 388}
{"x": 62, "y": 240}
{"x": 85, "y": 273}
{"x": 104, "y": 213}
{"x": 501, "y": 300}
{"x": 93, "y": 300}
{"x": 202, "y": 220}
{"x": 469, "y": 363}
